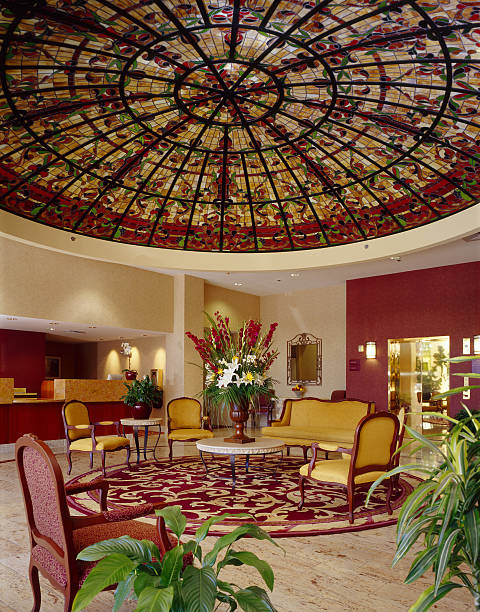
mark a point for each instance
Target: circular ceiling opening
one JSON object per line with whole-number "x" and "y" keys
{"x": 239, "y": 127}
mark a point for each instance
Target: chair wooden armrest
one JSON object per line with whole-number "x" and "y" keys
{"x": 311, "y": 465}
{"x": 115, "y": 516}
{"x": 89, "y": 426}
{"x": 100, "y": 484}
{"x": 347, "y": 451}
{"x": 116, "y": 423}
{"x": 275, "y": 423}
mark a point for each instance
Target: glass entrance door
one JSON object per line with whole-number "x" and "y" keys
{"x": 417, "y": 372}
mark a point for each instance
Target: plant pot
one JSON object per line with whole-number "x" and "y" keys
{"x": 299, "y": 394}
{"x": 239, "y": 415}
{"x": 131, "y": 374}
{"x": 140, "y": 411}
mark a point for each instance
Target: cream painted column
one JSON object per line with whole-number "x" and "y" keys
{"x": 182, "y": 378}
{"x": 193, "y": 322}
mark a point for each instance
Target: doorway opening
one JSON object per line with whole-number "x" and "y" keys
{"x": 417, "y": 371}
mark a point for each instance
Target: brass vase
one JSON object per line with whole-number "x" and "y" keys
{"x": 239, "y": 416}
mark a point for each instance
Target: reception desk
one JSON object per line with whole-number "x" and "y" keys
{"x": 43, "y": 416}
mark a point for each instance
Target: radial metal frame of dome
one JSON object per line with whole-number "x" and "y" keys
{"x": 239, "y": 125}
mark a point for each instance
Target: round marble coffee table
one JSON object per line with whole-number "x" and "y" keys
{"x": 218, "y": 446}
{"x": 143, "y": 424}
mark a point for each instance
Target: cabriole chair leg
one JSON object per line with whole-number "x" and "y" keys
{"x": 69, "y": 461}
{"x": 170, "y": 447}
{"x": 35, "y": 583}
{"x": 91, "y": 460}
{"x": 103, "y": 463}
{"x": 301, "y": 486}
{"x": 128, "y": 456}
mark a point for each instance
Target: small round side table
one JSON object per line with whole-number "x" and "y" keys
{"x": 144, "y": 424}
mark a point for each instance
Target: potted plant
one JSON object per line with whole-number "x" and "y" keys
{"x": 444, "y": 510}
{"x": 171, "y": 584}
{"x": 141, "y": 396}
{"x": 127, "y": 351}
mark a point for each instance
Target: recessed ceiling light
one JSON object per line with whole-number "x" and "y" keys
{"x": 52, "y": 329}
{"x": 92, "y": 327}
{"x": 11, "y": 318}
{"x": 52, "y": 323}
{"x": 294, "y": 274}
{"x": 396, "y": 258}
{"x": 238, "y": 284}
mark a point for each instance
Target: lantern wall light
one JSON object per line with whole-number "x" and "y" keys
{"x": 371, "y": 349}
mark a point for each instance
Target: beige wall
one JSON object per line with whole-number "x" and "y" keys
{"x": 238, "y": 306}
{"x": 320, "y": 312}
{"x": 42, "y": 284}
{"x": 147, "y": 353}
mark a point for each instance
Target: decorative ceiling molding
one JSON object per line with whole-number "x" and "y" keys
{"x": 238, "y": 127}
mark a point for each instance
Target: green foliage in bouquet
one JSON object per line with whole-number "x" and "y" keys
{"x": 166, "y": 585}
{"x": 236, "y": 363}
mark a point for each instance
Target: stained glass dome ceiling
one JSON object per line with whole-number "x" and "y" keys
{"x": 239, "y": 125}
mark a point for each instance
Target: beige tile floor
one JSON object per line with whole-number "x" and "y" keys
{"x": 345, "y": 572}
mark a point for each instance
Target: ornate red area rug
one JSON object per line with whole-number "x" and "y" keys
{"x": 269, "y": 492}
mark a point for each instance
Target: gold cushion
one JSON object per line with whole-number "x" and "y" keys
{"x": 303, "y": 435}
{"x": 319, "y": 415}
{"x": 337, "y": 471}
{"x": 187, "y": 434}
{"x": 184, "y": 412}
{"x": 108, "y": 443}
{"x": 76, "y": 413}
{"x": 375, "y": 440}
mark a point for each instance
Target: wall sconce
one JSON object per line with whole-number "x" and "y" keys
{"x": 360, "y": 348}
{"x": 371, "y": 350}
{"x": 476, "y": 345}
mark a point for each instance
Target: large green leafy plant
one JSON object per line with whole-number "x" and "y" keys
{"x": 142, "y": 391}
{"x": 165, "y": 585}
{"x": 444, "y": 510}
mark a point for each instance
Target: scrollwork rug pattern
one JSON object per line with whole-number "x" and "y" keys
{"x": 269, "y": 493}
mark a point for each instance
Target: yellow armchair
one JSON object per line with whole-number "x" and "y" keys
{"x": 371, "y": 456}
{"x": 185, "y": 422}
{"x": 81, "y": 435}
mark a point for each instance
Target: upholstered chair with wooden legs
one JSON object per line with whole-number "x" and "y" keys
{"x": 81, "y": 434}
{"x": 56, "y": 537}
{"x": 375, "y": 442}
{"x": 185, "y": 422}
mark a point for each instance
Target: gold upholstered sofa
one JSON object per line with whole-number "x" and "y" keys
{"x": 330, "y": 423}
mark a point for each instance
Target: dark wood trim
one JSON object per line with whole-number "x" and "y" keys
{"x": 353, "y": 471}
{"x": 204, "y": 423}
{"x": 91, "y": 428}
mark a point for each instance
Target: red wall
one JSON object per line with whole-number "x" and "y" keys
{"x": 22, "y": 357}
{"x": 442, "y": 301}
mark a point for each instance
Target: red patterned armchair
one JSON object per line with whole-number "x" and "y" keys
{"x": 55, "y": 536}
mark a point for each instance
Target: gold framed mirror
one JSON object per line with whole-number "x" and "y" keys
{"x": 304, "y": 359}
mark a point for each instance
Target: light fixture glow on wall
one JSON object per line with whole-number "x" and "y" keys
{"x": 371, "y": 349}
{"x": 476, "y": 345}
{"x": 360, "y": 348}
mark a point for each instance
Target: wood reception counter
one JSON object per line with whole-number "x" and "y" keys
{"x": 43, "y": 416}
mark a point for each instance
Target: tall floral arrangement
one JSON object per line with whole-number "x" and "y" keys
{"x": 236, "y": 364}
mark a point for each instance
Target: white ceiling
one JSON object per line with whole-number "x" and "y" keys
{"x": 261, "y": 284}
{"x": 288, "y": 281}
{"x": 62, "y": 331}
